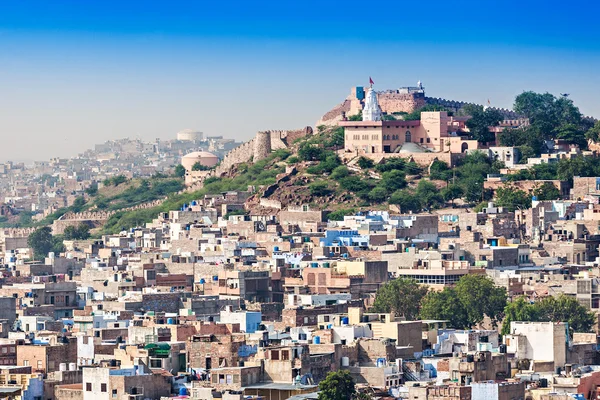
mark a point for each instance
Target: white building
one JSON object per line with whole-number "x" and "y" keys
{"x": 538, "y": 341}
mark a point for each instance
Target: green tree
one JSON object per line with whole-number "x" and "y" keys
{"x": 308, "y": 152}
{"x": 439, "y": 171}
{"x": 572, "y": 133}
{"x": 199, "y": 167}
{"x": 337, "y": 138}
{"x": 179, "y": 171}
{"x": 512, "y": 198}
{"x": 563, "y": 308}
{"x": 378, "y": 194}
{"x": 546, "y": 191}
{"x": 480, "y": 297}
{"x": 338, "y": 215}
{"x": 337, "y": 385}
{"x": 593, "y": 133}
{"x": 319, "y": 189}
{"x": 340, "y": 172}
{"x": 519, "y": 310}
{"x": 406, "y": 200}
{"x": 445, "y": 305}
{"x": 78, "y": 204}
{"x": 480, "y": 122}
{"x": 92, "y": 190}
{"x": 81, "y": 232}
{"x": 401, "y": 296}
{"x": 428, "y": 194}
{"x": 546, "y": 112}
{"x": 392, "y": 181}
{"x": 41, "y": 241}
{"x": 365, "y": 163}
{"x": 452, "y": 192}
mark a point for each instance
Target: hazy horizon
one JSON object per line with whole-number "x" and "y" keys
{"x": 76, "y": 74}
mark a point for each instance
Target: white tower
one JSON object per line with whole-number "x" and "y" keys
{"x": 372, "y": 111}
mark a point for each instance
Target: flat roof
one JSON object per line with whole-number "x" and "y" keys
{"x": 280, "y": 386}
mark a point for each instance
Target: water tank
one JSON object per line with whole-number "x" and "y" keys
{"x": 215, "y": 278}
{"x": 170, "y": 321}
{"x": 314, "y": 265}
{"x": 468, "y": 380}
{"x": 470, "y": 358}
{"x": 345, "y": 362}
{"x": 183, "y": 391}
{"x": 502, "y": 348}
{"x": 62, "y": 367}
{"x": 276, "y": 248}
{"x": 51, "y": 255}
{"x": 326, "y": 265}
{"x": 543, "y": 383}
{"x": 317, "y": 340}
{"x": 380, "y": 362}
{"x": 534, "y": 198}
{"x": 345, "y": 320}
{"x": 202, "y": 281}
{"x": 72, "y": 367}
{"x": 364, "y": 319}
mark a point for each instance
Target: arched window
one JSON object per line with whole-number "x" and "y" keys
{"x": 407, "y": 137}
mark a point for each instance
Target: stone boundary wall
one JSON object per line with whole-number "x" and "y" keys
{"x": 260, "y": 147}
{"x": 16, "y": 232}
{"x": 400, "y": 102}
{"x": 270, "y": 203}
{"x": 456, "y": 106}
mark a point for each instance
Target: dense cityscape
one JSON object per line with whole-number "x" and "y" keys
{"x": 405, "y": 247}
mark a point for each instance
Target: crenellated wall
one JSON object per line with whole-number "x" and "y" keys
{"x": 260, "y": 147}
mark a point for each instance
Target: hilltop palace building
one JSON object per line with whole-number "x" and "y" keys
{"x": 422, "y": 140}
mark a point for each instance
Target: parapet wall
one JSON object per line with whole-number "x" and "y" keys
{"x": 456, "y": 106}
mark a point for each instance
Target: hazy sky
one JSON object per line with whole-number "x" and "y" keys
{"x": 76, "y": 73}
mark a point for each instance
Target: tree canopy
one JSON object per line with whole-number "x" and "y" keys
{"x": 561, "y": 308}
{"x": 401, "y": 296}
{"x": 512, "y": 198}
{"x": 480, "y": 122}
{"x": 466, "y": 305}
{"x": 337, "y": 385}
{"x": 42, "y": 242}
{"x": 80, "y": 232}
{"x": 546, "y": 191}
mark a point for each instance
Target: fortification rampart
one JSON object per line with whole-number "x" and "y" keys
{"x": 260, "y": 147}
{"x": 400, "y": 102}
{"x": 456, "y": 106}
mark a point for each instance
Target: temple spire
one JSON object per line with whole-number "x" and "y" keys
{"x": 372, "y": 111}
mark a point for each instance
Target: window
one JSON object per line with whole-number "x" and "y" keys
{"x": 26, "y": 363}
{"x": 88, "y": 387}
{"x": 39, "y": 364}
{"x": 114, "y": 393}
{"x": 103, "y": 387}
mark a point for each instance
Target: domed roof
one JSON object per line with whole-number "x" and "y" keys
{"x": 187, "y": 131}
{"x": 411, "y": 147}
{"x": 200, "y": 154}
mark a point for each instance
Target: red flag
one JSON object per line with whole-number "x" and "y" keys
{"x": 371, "y": 81}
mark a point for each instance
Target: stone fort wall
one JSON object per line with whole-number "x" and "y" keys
{"x": 259, "y": 147}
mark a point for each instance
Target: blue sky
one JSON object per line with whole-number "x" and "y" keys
{"x": 75, "y": 73}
